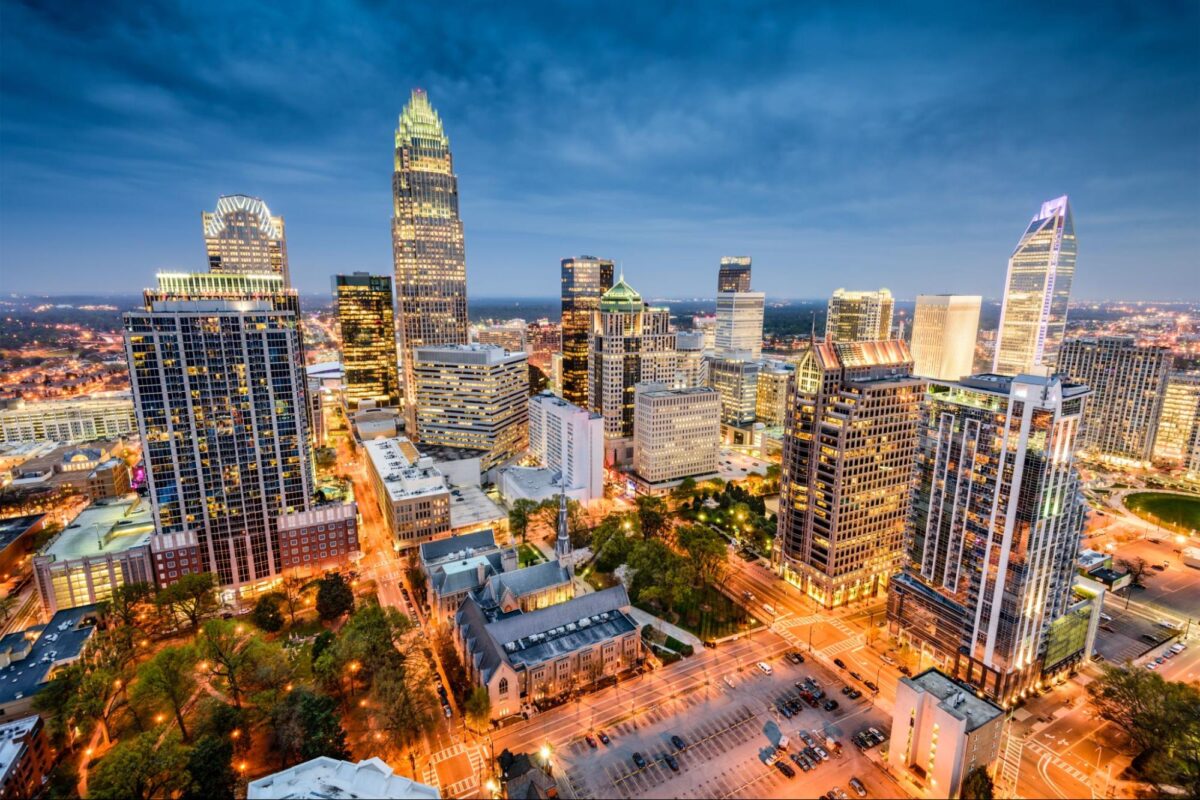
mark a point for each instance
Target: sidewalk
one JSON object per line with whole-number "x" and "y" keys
{"x": 644, "y": 618}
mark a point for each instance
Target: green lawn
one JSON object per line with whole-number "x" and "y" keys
{"x": 712, "y": 616}
{"x": 528, "y": 555}
{"x": 1175, "y": 511}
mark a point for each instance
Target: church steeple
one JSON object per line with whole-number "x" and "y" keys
{"x": 562, "y": 545}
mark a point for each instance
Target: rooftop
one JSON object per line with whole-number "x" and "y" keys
{"x": 12, "y": 528}
{"x": 456, "y": 547}
{"x": 470, "y": 507}
{"x": 326, "y": 777}
{"x": 958, "y": 700}
{"x": 474, "y": 354}
{"x": 106, "y": 526}
{"x": 442, "y": 452}
{"x": 401, "y": 469}
{"x": 12, "y": 742}
{"x": 30, "y": 655}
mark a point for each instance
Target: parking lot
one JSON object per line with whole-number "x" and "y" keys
{"x": 728, "y": 733}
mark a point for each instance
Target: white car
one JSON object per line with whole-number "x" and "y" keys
{"x": 1178, "y": 647}
{"x": 765, "y": 668}
{"x": 1151, "y": 665}
{"x": 1166, "y": 623}
{"x": 1105, "y": 618}
{"x": 728, "y": 681}
{"x": 770, "y": 609}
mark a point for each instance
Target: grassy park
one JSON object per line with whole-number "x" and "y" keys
{"x": 1177, "y": 512}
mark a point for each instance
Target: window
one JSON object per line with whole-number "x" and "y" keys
{"x": 502, "y": 687}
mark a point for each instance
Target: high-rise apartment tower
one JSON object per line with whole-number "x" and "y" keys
{"x": 364, "y": 313}
{"x": 242, "y": 236}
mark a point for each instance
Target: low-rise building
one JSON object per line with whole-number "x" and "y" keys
{"x": 326, "y": 777}
{"x": 522, "y": 658}
{"x": 528, "y": 589}
{"x": 458, "y": 565}
{"x": 81, "y": 419}
{"x": 412, "y": 493}
{"x": 106, "y": 546}
{"x": 25, "y": 758}
{"x": 941, "y": 731}
{"x": 16, "y": 542}
{"x": 29, "y": 658}
{"x": 324, "y": 537}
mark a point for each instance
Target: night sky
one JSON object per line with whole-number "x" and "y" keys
{"x": 905, "y": 146}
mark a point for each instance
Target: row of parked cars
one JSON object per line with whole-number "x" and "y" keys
{"x": 640, "y": 761}
{"x": 867, "y": 738}
{"x": 1174, "y": 650}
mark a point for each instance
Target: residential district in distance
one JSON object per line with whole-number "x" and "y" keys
{"x": 373, "y": 547}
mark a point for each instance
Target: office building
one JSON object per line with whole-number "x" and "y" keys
{"x": 739, "y": 325}
{"x": 996, "y": 518}
{"x": 509, "y": 335}
{"x": 526, "y": 657}
{"x": 364, "y": 314}
{"x": 859, "y": 316}
{"x": 848, "y": 448}
{"x": 632, "y": 343}
{"x": 691, "y": 366}
{"x": 1037, "y": 288}
{"x": 570, "y": 441}
{"x": 544, "y": 340}
{"x": 241, "y": 236}
{"x": 945, "y": 327}
{"x": 427, "y": 242}
{"x": 26, "y": 758}
{"x": 941, "y": 731}
{"x": 736, "y": 381}
{"x": 369, "y": 779}
{"x": 770, "y": 407}
{"x": 29, "y": 658}
{"x": 82, "y": 419}
{"x": 734, "y": 274}
{"x": 473, "y": 396}
{"x": 221, "y": 397}
{"x": 707, "y": 325}
{"x": 1128, "y": 383}
{"x": 17, "y": 535}
{"x": 412, "y": 493}
{"x": 584, "y": 280}
{"x": 677, "y": 434}
{"x": 105, "y": 547}
{"x": 1177, "y": 440}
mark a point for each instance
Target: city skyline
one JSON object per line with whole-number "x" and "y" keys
{"x": 661, "y": 202}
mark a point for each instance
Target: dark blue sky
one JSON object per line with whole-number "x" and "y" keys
{"x": 904, "y": 146}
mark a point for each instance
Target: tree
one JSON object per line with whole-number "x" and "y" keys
{"x": 168, "y": 677}
{"x": 519, "y": 517}
{"x": 210, "y": 767}
{"x": 140, "y": 768}
{"x": 478, "y": 707}
{"x": 266, "y": 614}
{"x": 306, "y": 725}
{"x": 56, "y": 702}
{"x": 371, "y": 637}
{"x": 292, "y": 590}
{"x": 684, "y": 491}
{"x": 407, "y": 708}
{"x": 192, "y": 597}
{"x": 127, "y": 602}
{"x": 325, "y": 457}
{"x": 652, "y": 515}
{"x": 1138, "y": 569}
{"x": 577, "y": 524}
{"x": 321, "y": 643}
{"x": 706, "y": 549}
{"x": 977, "y": 785}
{"x": 231, "y": 655}
{"x": 334, "y": 597}
{"x": 7, "y": 603}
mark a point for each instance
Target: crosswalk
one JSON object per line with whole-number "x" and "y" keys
{"x": 1010, "y": 761}
{"x": 1074, "y": 772}
{"x": 465, "y": 786}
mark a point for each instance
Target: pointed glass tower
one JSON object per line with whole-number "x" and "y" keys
{"x": 427, "y": 241}
{"x": 1036, "y": 291}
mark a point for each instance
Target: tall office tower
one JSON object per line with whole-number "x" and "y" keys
{"x": 850, "y": 438}
{"x": 691, "y": 369}
{"x": 219, "y": 386}
{"x": 1034, "y": 315}
{"x": 994, "y": 530}
{"x": 189, "y": 286}
{"x": 677, "y": 434}
{"x": 242, "y": 236}
{"x": 569, "y": 439}
{"x": 859, "y": 316}
{"x": 427, "y": 242}
{"x": 1179, "y": 425}
{"x": 739, "y": 325}
{"x": 945, "y": 327}
{"x": 584, "y": 280}
{"x": 473, "y": 396}
{"x": 545, "y": 339}
{"x": 770, "y": 406}
{"x": 631, "y": 343}
{"x": 734, "y": 275}
{"x": 1127, "y": 382}
{"x": 736, "y": 382}
{"x": 364, "y": 312}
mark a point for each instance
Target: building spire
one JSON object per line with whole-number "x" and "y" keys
{"x": 562, "y": 545}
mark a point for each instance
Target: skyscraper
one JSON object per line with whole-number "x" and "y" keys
{"x": 1128, "y": 382}
{"x": 850, "y": 437}
{"x": 1178, "y": 438}
{"x": 364, "y": 312}
{"x": 1036, "y": 290}
{"x": 677, "y": 435}
{"x": 736, "y": 382}
{"x": 734, "y": 275}
{"x": 584, "y": 280}
{"x": 631, "y": 342}
{"x": 859, "y": 316}
{"x": 242, "y": 236}
{"x": 945, "y": 327}
{"x": 570, "y": 439}
{"x": 771, "y": 404}
{"x": 427, "y": 241}
{"x": 994, "y": 530}
{"x": 691, "y": 368}
{"x": 473, "y": 396}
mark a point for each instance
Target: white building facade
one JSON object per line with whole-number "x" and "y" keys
{"x": 570, "y": 439}
{"x": 945, "y": 327}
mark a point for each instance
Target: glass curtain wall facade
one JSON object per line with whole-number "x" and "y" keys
{"x": 945, "y": 327}
{"x": 242, "y": 236}
{"x": 427, "y": 241}
{"x": 584, "y": 280}
{"x": 734, "y": 274}
{"x": 364, "y": 312}
{"x": 1036, "y": 290}
{"x": 1178, "y": 437}
{"x": 859, "y": 316}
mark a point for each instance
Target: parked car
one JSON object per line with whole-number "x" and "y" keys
{"x": 841, "y": 664}
{"x": 831, "y": 705}
{"x": 871, "y": 685}
{"x": 783, "y": 709}
{"x": 1157, "y": 567}
{"x": 639, "y": 761}
{"x": 845, "y": 690}
{"x": 591, "y": 742}
{"x": 678, "y": 742}
{"x": 604, "y": 737}
{"x": 1105, "y": 618}
{"x": 821, "y": 752}
{"x": 858, "y": 787}
{"x": 805, "y": 737}
{"x": 1151, "y": 665}
{"x": 795, "y": 657}
{"x": 856, "y": 676}
{"x": 1166, "y": 623}
{"x": 671, "y": 762}
{"x": 785, "y": 769}
{"x": 879, "y": 737}
{"x": 765, "y": 668}
{"x": 887, "y": 659}
{"x": 905, "y": 670}
{"x": 854, "y": 694}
